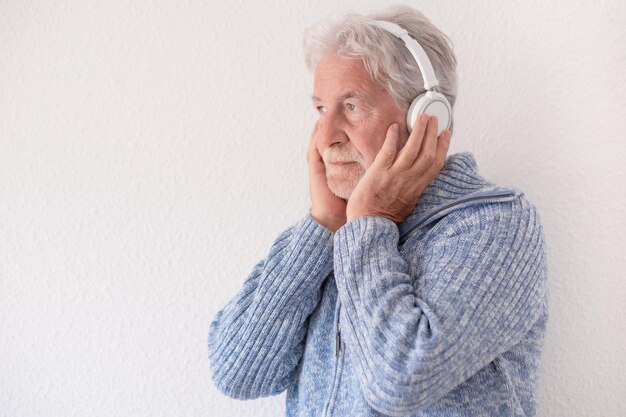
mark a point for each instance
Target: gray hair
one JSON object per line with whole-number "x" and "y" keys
{"x": 386, "y": 59}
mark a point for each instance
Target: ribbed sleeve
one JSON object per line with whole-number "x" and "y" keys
{"x": 483, "y": 278}
{"x": 257, "y": 340}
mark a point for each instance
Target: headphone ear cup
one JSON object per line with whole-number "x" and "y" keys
{"x": 433, "y": 104}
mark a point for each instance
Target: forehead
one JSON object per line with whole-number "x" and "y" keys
{"x": 335, "y": 76}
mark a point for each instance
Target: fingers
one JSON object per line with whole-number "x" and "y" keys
{"x": 316, "y": 163}
{"x": 427, "y": 152}
{"x": 312, "y": 141}
{"x": 312, "y": 151}
{"x": 409, "y": 152}
{"x": 387, "y": 154}
{"x": 441, "y": 153}
{"x": 443, "y": 145}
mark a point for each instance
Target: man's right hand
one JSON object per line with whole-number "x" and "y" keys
{"x": 326, "y": 208}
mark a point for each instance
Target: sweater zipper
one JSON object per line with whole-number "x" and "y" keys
{"x": 338, "y": 368}
{"x": 338, "y": 332}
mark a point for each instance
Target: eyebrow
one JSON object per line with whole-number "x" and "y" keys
{"x": 348, "y": 95}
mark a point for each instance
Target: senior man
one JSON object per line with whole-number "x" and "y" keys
{"x": 414, "y": 287}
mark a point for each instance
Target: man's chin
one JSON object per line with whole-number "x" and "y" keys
{"x": 340, "y": 190}
{"x": 342, "y": 195}
{"x": 343, "y": 184}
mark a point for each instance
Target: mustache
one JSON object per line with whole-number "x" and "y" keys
{"x": 338, "y": 154}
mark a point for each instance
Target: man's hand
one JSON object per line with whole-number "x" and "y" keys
{"x": 326, "y": 208}
{"x": 392, "y": 184}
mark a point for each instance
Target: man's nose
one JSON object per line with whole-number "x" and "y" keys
{"x": 331, "y": 130}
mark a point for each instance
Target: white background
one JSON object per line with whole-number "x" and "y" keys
{"x": 150, "y": 152}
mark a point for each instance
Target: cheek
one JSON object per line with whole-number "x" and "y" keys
{"x": 372, "y": 145}
{"x": 372, "y": 133}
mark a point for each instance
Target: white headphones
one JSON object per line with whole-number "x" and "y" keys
{"x": 430, "y": 102}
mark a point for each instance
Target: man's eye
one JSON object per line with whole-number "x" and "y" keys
{"x": 320, "y": 109}
{"x": 351, "y": 107}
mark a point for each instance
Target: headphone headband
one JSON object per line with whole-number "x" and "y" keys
{"x": 425, "y": 67}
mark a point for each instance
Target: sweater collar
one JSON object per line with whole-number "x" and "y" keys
{"x": 458, "y": 178}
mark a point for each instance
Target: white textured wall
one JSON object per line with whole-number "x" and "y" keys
{"x": 151, "y": 151}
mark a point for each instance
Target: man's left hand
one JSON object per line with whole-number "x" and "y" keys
{"x": 393, "y": 183}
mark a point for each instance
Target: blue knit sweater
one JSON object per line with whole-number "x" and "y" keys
{"x": 443, "y": 315}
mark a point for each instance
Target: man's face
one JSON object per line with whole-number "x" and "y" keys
{"x": 354, "y": 115}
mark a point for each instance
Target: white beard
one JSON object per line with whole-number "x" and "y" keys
{"x": 342, "y": 180}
